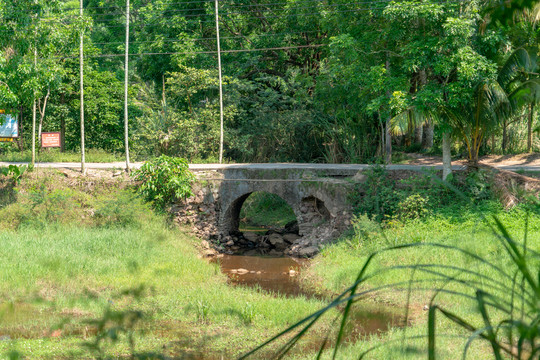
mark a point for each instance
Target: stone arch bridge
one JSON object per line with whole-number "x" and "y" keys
{"x": 317, "y": 193}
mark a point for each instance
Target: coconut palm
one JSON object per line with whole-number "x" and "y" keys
{"x": 494, "y": 102}
{"x": 519, "y": 79}
{"x": 488, "y": 107}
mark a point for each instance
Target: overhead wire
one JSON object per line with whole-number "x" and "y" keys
{"x": 144, "y": 25}
{"x": 208, "y": 38}
{"x": 172, "y": 11}
{"x": 248, "y": 18}
{"x": 198, "y": 52}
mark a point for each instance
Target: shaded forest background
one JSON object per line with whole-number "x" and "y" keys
{"x": 304, "y": 80}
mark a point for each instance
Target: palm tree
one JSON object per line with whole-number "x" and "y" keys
{"x": 488, "y": 107}
{"x": 520, "y": 80}
{"x": 495, "y": 101}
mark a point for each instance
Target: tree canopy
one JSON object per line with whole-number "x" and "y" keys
{"x": 304, "y": 80}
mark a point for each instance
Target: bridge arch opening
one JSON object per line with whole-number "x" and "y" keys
{"x": 261, "y": 223}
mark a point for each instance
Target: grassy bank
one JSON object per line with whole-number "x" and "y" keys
{"x": 84, "y": 260}
{"x": 266, "y": 209}
{"x": 394, "y": 272}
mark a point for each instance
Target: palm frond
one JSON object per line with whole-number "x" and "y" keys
{"x": 526, "y": 93}
{"x": 519, "y": 61}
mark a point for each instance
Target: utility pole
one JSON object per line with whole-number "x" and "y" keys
{"x": 34, "y": 113}
{"x": 220, "y": 86}
{"x": 126, "y": 78}
{"x": 81, "y": 63}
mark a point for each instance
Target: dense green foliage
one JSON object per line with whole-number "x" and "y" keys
{"x": 385, "y": 199}
{"x": 313, "y": 81}
{"x": 164, "y": 180}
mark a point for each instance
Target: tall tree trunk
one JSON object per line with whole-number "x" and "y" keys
{"x": 474, "y": 156}
{"x": 504, "y": 137}
{"x": 387, "y": 127}
{"x": 427, "y": 142}
{"x": 388, "y": 142}
{"x": 529, "y": 128}
{"x": 492, "y": 142}
{"x": 42, "y": 110}
{"x": 446, "y": 155}
{"x": 21, "y": 115}
{"x": 418, "y": 134}
{"x": 62, "y": 126}
{"x": 421, "y": 130}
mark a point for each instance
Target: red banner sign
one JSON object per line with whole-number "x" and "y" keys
{"x": 50, "y": 139}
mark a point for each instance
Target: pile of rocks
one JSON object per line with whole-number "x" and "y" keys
{"x": 272, "y": 242}
{"x": 199, "y": 213}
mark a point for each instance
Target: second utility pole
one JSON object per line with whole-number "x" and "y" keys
{"x": 81, "y": 63}
{"x": 220, "y": 87}
{"x": 126, "y": 78}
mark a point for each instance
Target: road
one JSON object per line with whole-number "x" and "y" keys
{"x": 268, "y": 166}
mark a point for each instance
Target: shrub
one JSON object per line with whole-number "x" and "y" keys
{"x": 413, "y": 207}
{"x": 164, "y": 180}
{"x": 15, "y": 171}
{"x": 383, "y": 199}
{"x": 478, "y": 184}
{"x": 380, "y": 198}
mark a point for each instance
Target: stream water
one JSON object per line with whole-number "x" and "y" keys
{"x": 279, "y": 275}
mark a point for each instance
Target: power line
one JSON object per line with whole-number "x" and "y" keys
{"x": 121, "y": 7}
{"x": 141, "y": 26}
{"x": 200, "y": 52}
{"x": 163, "y": 12}
{"x": 208, "y": 38}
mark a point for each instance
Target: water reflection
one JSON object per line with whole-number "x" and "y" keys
{"x": 280, "y": 275}
{"x": 273, "y": 274}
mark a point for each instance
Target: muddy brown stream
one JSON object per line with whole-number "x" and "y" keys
{"x": 279, "y": 275}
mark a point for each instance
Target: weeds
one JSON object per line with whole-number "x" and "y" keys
{"x": 202, "y": 310}
{"x": 386, "y": 200}
{"x": 247, "y": 314}
{"x": 16, "y": 172}
{"x": 500, "y": 285}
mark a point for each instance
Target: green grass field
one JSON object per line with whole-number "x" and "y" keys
{"x": 338, "y": 265}
{"x": 88, "y": 270}
{"x": 78, "y": 255}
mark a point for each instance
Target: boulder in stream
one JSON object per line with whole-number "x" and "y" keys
{"x": 251, "y": 236}
{"x": 277, "y": 241}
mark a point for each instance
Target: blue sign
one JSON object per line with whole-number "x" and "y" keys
{"x": 9, "y": 127}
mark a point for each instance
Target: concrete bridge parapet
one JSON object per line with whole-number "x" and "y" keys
{"x": 317, "y": 193}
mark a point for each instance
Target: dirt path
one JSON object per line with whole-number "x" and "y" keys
{"x": 525, "y": 160}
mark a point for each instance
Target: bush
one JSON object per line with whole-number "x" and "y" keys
{"x": 413, "y": 207}
{"x": 164, "y": 180}
{"x": 380, "y": 198}
{"x": 478, "y": 184}
{"x": 384, "y": 199}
